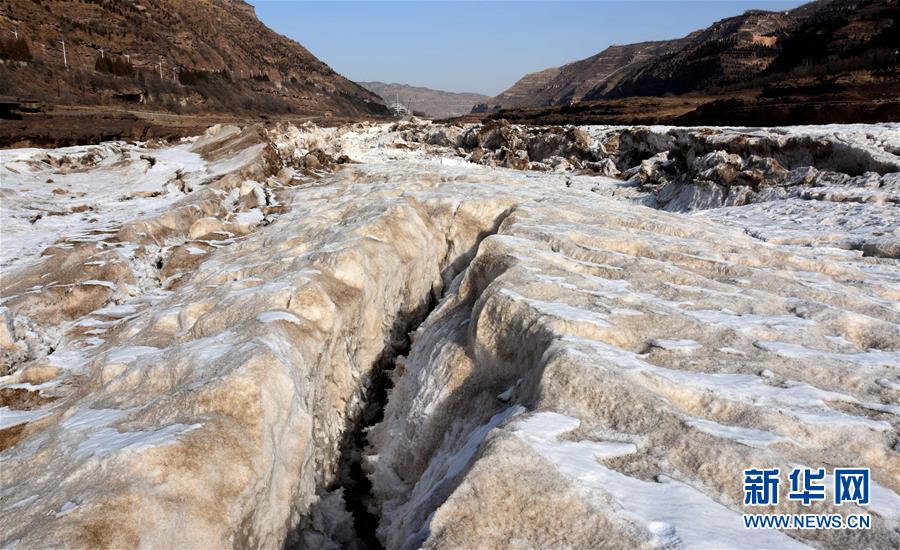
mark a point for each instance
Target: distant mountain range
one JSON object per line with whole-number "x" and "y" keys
{"x": 823, "y": 46}
{"x": 172, "y": 55}
{"x": 432, "y": 103}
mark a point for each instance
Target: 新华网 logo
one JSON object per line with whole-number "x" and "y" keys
{"x": 806, "y": 486}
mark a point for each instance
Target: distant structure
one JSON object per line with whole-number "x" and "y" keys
{"x": 398, "y": 108}
{"x": 62, "y": 41}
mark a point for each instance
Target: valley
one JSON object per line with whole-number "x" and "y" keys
{"x": 259, "y": 291}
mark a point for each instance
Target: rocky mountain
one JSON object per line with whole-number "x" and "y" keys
{"x": 822, "y": 39}
{"x": 602, "y": 71}
{"x": 183, "y": 56}
{"x": 824, "y": 46}
{"x": 571, "y": 82}
{"x": 732, "y": 50}
{"x": 431, "y": 103}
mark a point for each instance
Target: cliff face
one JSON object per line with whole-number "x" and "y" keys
{"x": 198, "y": 55}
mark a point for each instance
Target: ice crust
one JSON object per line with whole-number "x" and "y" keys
{"x": 585, "y": 370}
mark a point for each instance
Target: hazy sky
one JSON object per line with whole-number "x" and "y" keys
{"x": 481, "y": 46}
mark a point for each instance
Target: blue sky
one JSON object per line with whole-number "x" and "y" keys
{"x": 481, "y": 46}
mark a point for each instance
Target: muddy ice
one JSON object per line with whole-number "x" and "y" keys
{"x": 415, "y": 335}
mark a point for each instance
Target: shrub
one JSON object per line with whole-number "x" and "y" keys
{"x": 192, "y": 78}
{"x": 111, "y": 65}
{"x": 16, "y": 50}
{"x": 197, "y": 77}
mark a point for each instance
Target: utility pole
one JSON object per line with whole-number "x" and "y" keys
{"x": 65, "y": 59}
{"x": 174, "y": 71}
{"x": 101, "y": 53}
{"x": 160, "y": 68}
{"x": 128, "y": 57}
{"x": 15, "y": 32}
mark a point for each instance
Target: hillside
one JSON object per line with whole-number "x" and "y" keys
{"x": 824, "y": 47}
{"x": 173, "y": 55}
{"x": 854, "y": 42}
{"x": 432, "y": 103}
{"x": 732, "y": 50}
{"x": 570, "y": 83}
{"x": 526, "y": 90}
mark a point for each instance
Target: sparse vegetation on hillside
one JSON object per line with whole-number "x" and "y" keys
{"x": 193, "y": 78}
{"x": 167, "y": 55}
{"x": 110, "y": 65}
{"x": 15, "y": 50}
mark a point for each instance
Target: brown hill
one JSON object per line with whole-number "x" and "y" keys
{"x": 526, "y": 90}
{"x": 732, "y": 50}
{"x": 568, "y": 84}
{"x": 847, "y": 49}
{"x": 604, "y": 70}
{"x": 175, "y": 55}
{"x": 432, "y": 103}
{"x": 826, "y": 39}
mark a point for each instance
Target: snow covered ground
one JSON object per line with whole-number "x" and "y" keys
{"x": 183, "y": 366}
{"x": 76, "y": 193}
